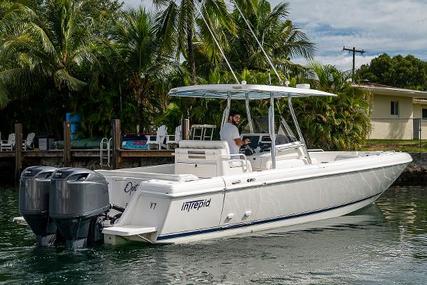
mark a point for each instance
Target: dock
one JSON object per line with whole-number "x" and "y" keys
{"x": 13, "y": 162}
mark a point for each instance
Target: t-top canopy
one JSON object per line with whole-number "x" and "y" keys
{"x": 243, "y": 91}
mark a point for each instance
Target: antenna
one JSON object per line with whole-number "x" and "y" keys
{"x": 259, "y": 44}
{"x": 216, "y": 42}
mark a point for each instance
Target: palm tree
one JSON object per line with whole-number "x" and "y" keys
{"x": 148, "y": 70}
{"x": 11, "y": 13}
{"x": 51, "y": 47}
{"x": 45, "y": 51}
{"x": 278, "y": 35}
{"x": 176, "y": 25}
{"x": 207, "y": 53}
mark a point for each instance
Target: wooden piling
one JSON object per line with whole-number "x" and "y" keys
{"x": 67, "y": 144}
{"x": 117, "y": 143}
{"x": 186, "y": 129}
{"x": 18, "y": 150}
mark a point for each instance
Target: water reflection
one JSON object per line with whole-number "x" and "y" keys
{"x": 406, "y": 207}
{"x": 382, "y": 244}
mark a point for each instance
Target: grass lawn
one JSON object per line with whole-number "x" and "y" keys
{"x": 397, "y": 145}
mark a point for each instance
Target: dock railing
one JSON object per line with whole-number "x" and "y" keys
{"x": 105, "y": 146}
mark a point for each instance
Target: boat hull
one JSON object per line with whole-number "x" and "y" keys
{"x": 265, "y": 225}
{"x": 260, "y": 201}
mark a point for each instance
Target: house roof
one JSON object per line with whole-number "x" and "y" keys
{"x": 380, "y": 89}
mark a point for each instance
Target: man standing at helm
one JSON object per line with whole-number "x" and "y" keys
{"x": 230, "y": 133}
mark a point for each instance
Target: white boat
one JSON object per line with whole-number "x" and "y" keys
{"x": 208, "y": 193}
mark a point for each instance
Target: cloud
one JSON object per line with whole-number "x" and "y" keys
{"x": 135, "y": 3}
{"x": 383, "y": 26}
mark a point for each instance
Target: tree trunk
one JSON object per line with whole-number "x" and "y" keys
{"x": 191, "y": 60}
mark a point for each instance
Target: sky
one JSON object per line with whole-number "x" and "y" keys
{"x": 381, "y": 26}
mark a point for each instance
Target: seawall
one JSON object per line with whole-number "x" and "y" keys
{"x": 416, "y": 172}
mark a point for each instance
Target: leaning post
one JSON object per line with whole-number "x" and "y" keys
{"x": 117, "y": 143}
{"x": 18, "y": 150}
{"x": 67, "y": 144}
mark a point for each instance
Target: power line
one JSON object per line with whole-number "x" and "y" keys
{"x": 354, "y": 51}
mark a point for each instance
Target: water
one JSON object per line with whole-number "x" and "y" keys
{"x": 382, "y": 244}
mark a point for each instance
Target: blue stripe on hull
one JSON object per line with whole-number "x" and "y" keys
{"x": 223, "y": 228}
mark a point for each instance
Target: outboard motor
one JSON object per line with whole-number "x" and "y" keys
{"x": 78, "y": 201}
{"x": 34, "y": 202}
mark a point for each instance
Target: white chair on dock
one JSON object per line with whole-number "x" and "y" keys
{"x": 158, "y": 139}
{"x": 9, "y": 144}
{"x": 173, "y": 140}
{"x": 28, "y": 143}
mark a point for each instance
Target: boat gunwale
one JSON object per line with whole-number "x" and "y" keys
{"x": 274, "y": 182}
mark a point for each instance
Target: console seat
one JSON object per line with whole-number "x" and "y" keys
{"x": 208, "y": 159}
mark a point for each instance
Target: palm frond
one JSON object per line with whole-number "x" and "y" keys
{"x": 63, "y": 79}
{"x": 165, "y": 27}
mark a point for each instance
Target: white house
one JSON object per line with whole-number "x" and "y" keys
{"x": 396, "y": 113}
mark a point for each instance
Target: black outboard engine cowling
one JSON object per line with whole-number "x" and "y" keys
{"x": 78, "y": 199}
{"x": 34, "y": 202}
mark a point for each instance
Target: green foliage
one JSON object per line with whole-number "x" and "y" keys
{"x": 280, "y": 38}
{"x": 72, "y": 57}
{"x": 147, "y": 71}
{"x": 334, "y": 123}
{"x": 44, "y": 49}
{"x": 398, "y": 71}
{"x": 411, "y": 146}
{"x": 176, "y": 26}
{"x": 94, "y": 58}
{"x": 278, "y": 35}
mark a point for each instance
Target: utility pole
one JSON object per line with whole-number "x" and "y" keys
{"x": 353, "y": 50}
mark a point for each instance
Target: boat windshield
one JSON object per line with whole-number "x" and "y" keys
{"x": 260, "y": 137}
{"x": 285, "y": 134}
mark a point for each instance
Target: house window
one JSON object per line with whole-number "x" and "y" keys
{"x": 394, "y": 108}
{"x": 424, "y": 113}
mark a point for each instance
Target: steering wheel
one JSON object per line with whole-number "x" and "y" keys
{"x": 247, "y": 150}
